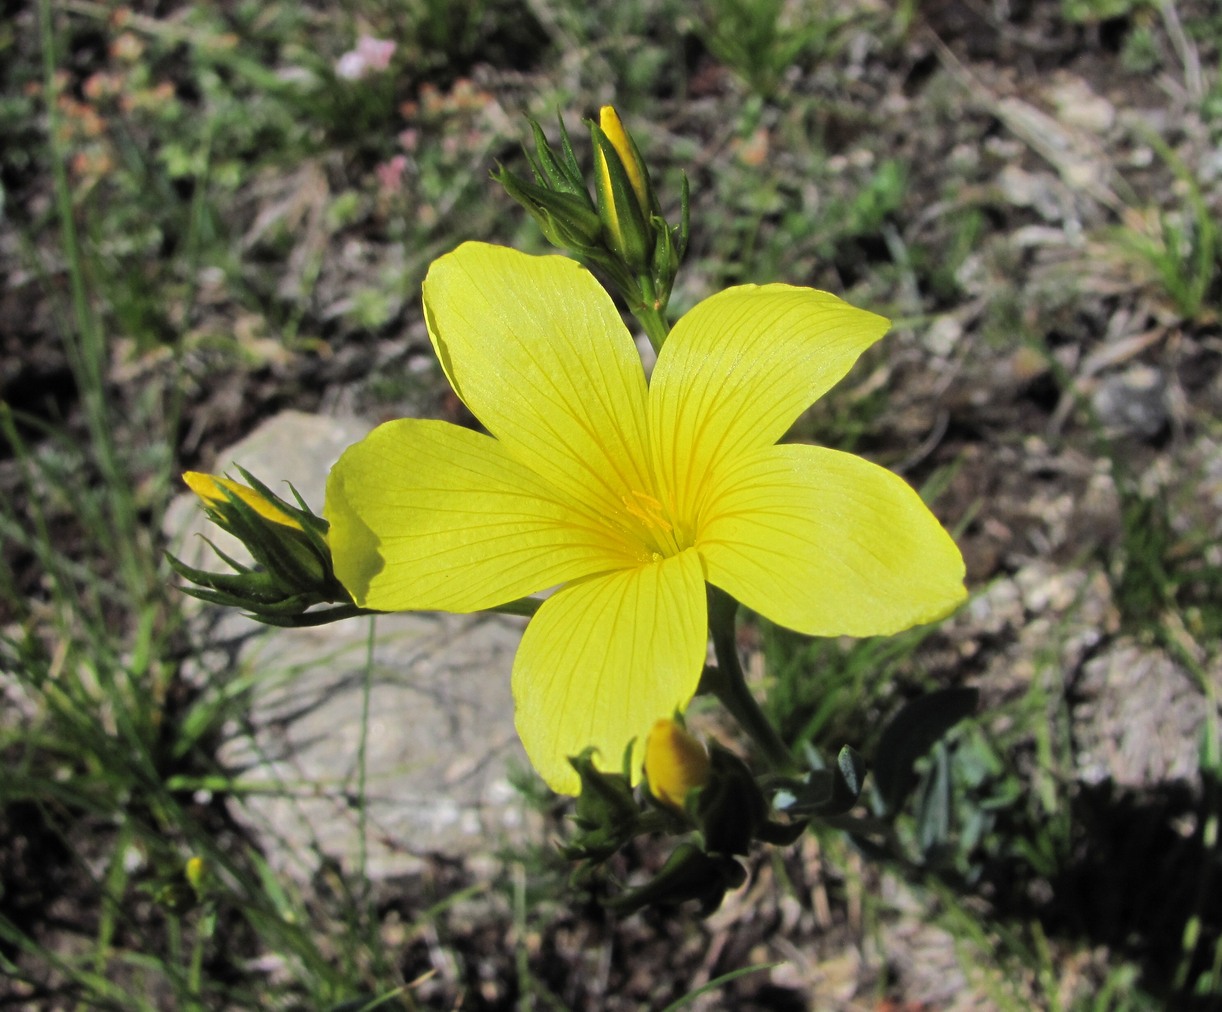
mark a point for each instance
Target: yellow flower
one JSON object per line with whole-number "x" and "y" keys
{"x": 194, "y": 870}
{"x": 628, "y": 496}
{"x": 211, "y": 489}
{"x": 675, "y": 763}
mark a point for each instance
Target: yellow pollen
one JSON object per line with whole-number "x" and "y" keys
{"x": 648, "y": 510}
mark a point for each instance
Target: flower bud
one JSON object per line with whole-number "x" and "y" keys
{"x": 215, "y": 491}
{"x": 271, "y": 528}
{"x": 288, "y": 543}
{"x": 621, "y": 234}
{"x": 626, "y": 228}
{"x": 634, "y": 165}
{"x": 675, "y": 764}
{"x": 195, "y": 871}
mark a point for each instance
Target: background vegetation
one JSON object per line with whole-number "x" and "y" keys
{"x": 201, "y": 222}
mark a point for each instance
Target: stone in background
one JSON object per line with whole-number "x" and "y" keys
{"x": 438, "y": 734}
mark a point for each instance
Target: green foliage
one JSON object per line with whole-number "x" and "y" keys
{"x": 1182, "y": 247}
{"x": 1180, "y": 243}
{"x": 1090, "y": 11}
{"x": 446, "y": 32}
{"x": 1140, "y": 53}
{"x": 940, "y": 266}
{"x": 823, "y": 690}
{"x": 1160, "y": 571}
{"x": 761, "y": 39}
{"x": 911, "y": 733}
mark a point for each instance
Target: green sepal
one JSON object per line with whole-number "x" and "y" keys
{"x": 570, "y": 160}
{"x": 310, "y": 521}
{"x": 688, "y": 874}
{"x": 730, "y": 808}
{"x": 554, "y": 173}
{"x": 606, "y": 813}
{"x": 262, "y": 597}
{"x": 780, "y": 834}
{"x": 824, "y": 792}
{"x": 685, "y": 215}
{"x": 568, "y": 221}
{"x": 297, "y": 556}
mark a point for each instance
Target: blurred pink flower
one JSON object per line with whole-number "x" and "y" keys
{"x": 370, "y": 55}
{"x": 390, "y": 174}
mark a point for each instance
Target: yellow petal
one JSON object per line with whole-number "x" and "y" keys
{"x": 538, "y": 352}
{"x": 611, "y": 125}
{"x": 738, "y": 370}
{"x": 828, "y": 544}
{"x": 429, "y": 516}
{"x": 604, "y": 659}
{"x": 211, "y": 489}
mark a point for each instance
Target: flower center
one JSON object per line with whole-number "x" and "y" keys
{"x": 656, "y": 530}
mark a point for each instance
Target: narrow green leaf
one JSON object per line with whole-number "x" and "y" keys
{"x": 913, "y": 732}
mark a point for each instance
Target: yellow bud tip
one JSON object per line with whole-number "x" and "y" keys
{"x": 211, "y": 488}
{"x": 611, "y": 125}
{"x": 194, "y": 872}
{"x": 675, "y": 763}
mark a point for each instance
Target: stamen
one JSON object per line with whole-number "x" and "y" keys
{"x": 648, "y": 510}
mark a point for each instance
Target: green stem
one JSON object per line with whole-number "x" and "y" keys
{"x": 729, "y": 684}
{"x": 650, "y": 314}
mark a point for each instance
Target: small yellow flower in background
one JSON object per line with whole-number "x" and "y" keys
{"x": 675, "y": 763}
{"x": 629, "y": 496}
{"x": 211, "y": 488}
{"x": 194, "y": 871}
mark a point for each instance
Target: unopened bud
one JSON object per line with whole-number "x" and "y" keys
{"x": 288, "y": 543}
{"x": 625, "y": 211}
{"x": 675, "y": 764}
{"x": 630, "y": 156}
{"x": 194, "y": 872}
{"x": 212, "y": 489}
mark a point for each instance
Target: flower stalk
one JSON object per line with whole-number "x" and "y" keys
{"x": 729, "y": 684}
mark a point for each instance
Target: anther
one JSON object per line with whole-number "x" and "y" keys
{"x": 648, "y": 510}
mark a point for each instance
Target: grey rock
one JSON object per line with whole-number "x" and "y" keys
{"x": 371, "y": 748}
{"x": 1139, "y": 720}
{"x": 426, "y": 711}
{"x": 1133, "y": 402}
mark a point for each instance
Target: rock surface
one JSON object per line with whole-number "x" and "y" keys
{"x": 1139, "y": 719}
{"x": 421, "y": 701}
